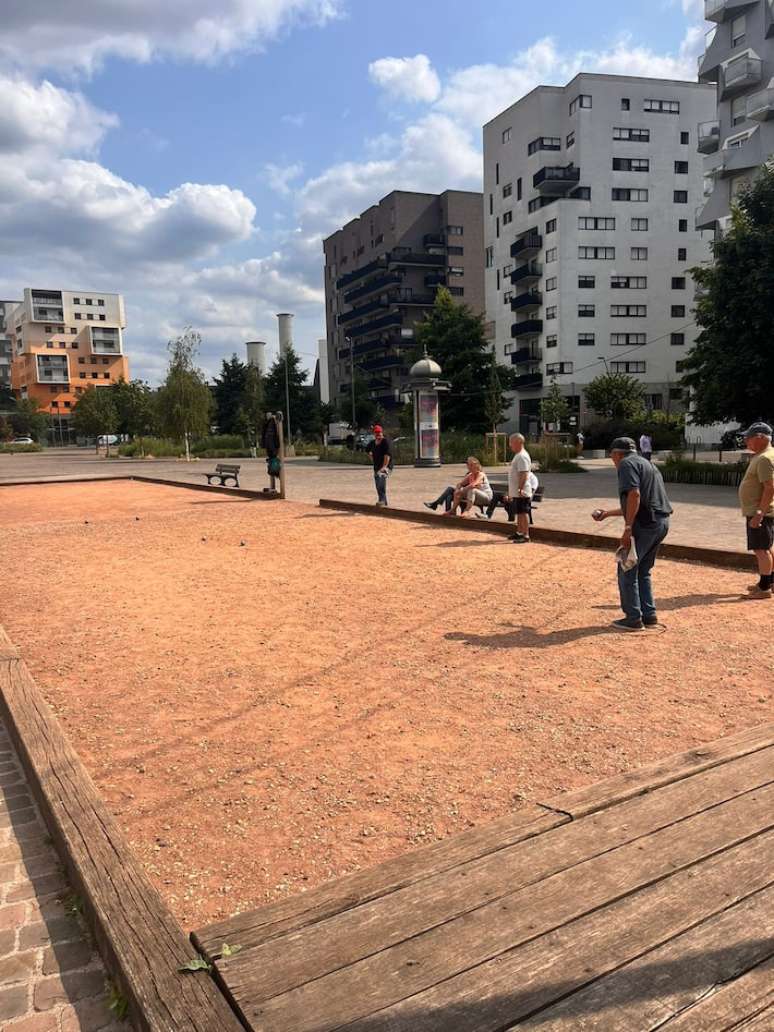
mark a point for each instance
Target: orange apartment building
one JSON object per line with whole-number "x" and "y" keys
{"x": 63, "y": 342}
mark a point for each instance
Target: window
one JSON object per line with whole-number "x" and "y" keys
{"x": 678, "y": 283}
{"x": 581, "y": 193}
{"x": 595, "y": 222}
{"x": 82, "y": 376}
{"x": 626, "y": 104}
{"x": 627, "y": 367}
{"x": 379, "y": 239}
{"x": 456, "y": 291}
{"x": 518, "y": 189}
{"x": 586, "y": 340}
{"x": 507, "y": 189}
{"x": 101, "y": 317}
{"x": 76, "y": 300}
{"x": 551, "y": 226}
{"x": 631, "y": 164}
{"x": 586, "y": 311}
{"x": 551, "y": 312}
{"x": 497, "y": 173}
{"x": 88, "y": 301}
{"x": 625, "y": 194}
{"x": 498, "y": 279}
{"x": 106, "y": 376}
{"x": 497, "y": 226}
{"x": 82, "y": 361}
{"x": 507, "y": 218}
{"x": 633, "y": 135}
{"x": 74, "y": 347}
{"x": 581, "y": 101}
{"x": 489, "y": 260}
{"x": 507, "y": 269}
{"x": 685, "y": 137}
{"x": 49, "y": 343}
{"x": 677, "y": 339}
{"x": 551, "y": 340}
{"x": 680, "y": 196}
{"x": 507, "y": 135}
{"x": 491, "y": 204}
{"x": 622, "y": 339}
{"x": 629, "y": 311}
{"x": 681, "y": 167}
{"x": 551, "y": 283}
{"x": 682, "y": 254}
{"x": 682, "y": 225}
{"x": 738, "y": 30}
{"x": 570, "y": 141}
{"x": 78, "y": 315}
{"x": 596, "y": 252}
{"x": 545, "y": 143}
{"x": 739, "y": 110}
{"x": 73, "y": 329}
{"x": 678, "y": 311}
{"x": 454, "y": 231}
{"x": 639, "y": 254}
{"x": 629, "y": 282}
{"x": 95, "y": 376}
{"x": 559, "y": 368}
{"x": 456, "y": 270}
{"x": 640, "y": 225}
{"x": 587, "y": 282}
{"x": 455, "y": 250}
{"x": 679, "y": 366}
{"x": 551, "y": 254}
{"x": 90, "y": 315}
{"x": 667, "y": 107}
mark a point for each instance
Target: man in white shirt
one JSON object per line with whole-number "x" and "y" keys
{"x": 520, "y": 487}
{"x": 646, "y": 447}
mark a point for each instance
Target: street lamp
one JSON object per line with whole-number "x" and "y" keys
{"x": 603, "y": 359}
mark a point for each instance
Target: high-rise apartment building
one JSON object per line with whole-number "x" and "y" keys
{"x": 739, "y": 137}
{"x": 63, "y": 342}
{"x": 590, "y": 191}
{"x": 6, "y": 307}
{"x": 382, "y": 271}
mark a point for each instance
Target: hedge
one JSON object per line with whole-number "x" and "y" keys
{"x": 715, "y": 474}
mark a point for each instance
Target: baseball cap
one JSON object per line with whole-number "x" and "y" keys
{"x": 758, "y": 428}
{"x": 625, "y": 444}
{"x": 378, "y": 429}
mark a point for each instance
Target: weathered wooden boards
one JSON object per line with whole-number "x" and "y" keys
{"x": 139, "y": 939}
{"x": 645, "y": 902}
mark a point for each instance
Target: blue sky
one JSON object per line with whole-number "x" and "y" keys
{"x": 192, "y": 155}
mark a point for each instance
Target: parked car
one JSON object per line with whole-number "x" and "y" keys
{"x": 110, "y": 439}
{"x": 23, "y": 440}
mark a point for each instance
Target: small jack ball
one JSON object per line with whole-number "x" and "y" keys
{"x": 242, "y": 544}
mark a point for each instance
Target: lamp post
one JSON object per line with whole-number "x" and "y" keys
{"x": 426, "y": 385}
{"x": 603, "y": 359}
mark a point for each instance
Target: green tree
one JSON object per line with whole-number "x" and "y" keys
{"x": 135, "y": 403}
{"x": 454, "y": 337}
{"x": 615, "y": 396}
{"x": 554, "y": 407}
{"x": 730, "y": 369}
{"x": 95, "y": 414}
{"x": 252, "y": 407}
{"x": 184, "y": 401}
{"x": 27, "y": 420}
{"x": 304, "y": 407}
{"x": 6, "y": 431}
{"x": 228, "y": 391}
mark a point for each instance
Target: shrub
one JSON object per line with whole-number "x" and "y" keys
{"x": 677, "y": 470}
{"x": 9, "y": 449}
{"x": 159, "y": 447}
{"x": 219, "y": 442}
{"x": 665, "y": 431}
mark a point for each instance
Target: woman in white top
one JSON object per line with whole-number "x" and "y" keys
{"x": 474, "y": 489}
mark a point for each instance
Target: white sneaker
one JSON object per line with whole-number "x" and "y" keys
{"x": 481, "y": 515}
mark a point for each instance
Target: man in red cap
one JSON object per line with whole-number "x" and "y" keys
{"x": 381, "y": 454}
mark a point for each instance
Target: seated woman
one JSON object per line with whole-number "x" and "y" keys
{"x": 474, "y": 489}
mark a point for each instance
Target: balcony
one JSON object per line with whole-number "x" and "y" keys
{"x": 356, "y": 274}
{"x": 374, "y": 287}
{"x": 47, "y": 299}
{"x": 358, "y": 313}
{"x": 556, "y": 179}
{"x": 722, "y": 10}
{"x": 525, "y": 356}
{"x": 386, "y": 321}
{"x": 527, "y": 328}
{"x": 528, "y": 382}
{"x": 47, "y": 313}
{"x": 435, "y": 279}
{"x": 384, "y": 362}
{"x": 526, "y": 246}
{"x": 410, "y": 298}
{"x": 760, "y": 106}
{"x": 526, "y": 274}
{"x": 370, "y": 345}
{"x": 433, "y": 240}
{"x": 524, "y": 302}
{"x": 739, "y": 75}
{"x": 708, "y": 137}
{"x": 408, "y": 257}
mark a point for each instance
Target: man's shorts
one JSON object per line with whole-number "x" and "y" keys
{"x": 760, "y": 539}
{"x": 522, "y": 505}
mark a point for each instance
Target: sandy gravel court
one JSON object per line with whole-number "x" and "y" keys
{"x": 269, "y": 695}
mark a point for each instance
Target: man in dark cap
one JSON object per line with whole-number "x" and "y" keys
{"x": 646, "y": 511}
{"x": 756, "y": 497}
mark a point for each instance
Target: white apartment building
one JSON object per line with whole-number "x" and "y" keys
{"x": 6, "y": 345}
{"x": 590, "y": 191}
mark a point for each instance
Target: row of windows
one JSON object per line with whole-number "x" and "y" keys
{"x": 616, "y": 340}
{"x": 588, "y": 311}
{"x": 617, "y": 282}
{"x": 669, "y": 107}
{"x": 88, "y": 301}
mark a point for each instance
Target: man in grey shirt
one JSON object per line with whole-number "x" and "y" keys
{"x": 646, "y": 511}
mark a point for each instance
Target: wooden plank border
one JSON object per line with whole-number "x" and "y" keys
{"x": 548, "y": 535}
{"x": 240, "y": 492}
{"x": 138, "y": 937}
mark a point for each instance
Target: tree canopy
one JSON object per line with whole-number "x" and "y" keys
{"x": 554, "y": 407}
{"x": 615, "y": 396}
{"x": 730, "y": 369}
{"x": 304, "y": 408}
{"x": 27, "y": 420}
{"x": 228, "y": 391}
{"x": 184, "y": 399}
{"x": 95, "y": 413}
{"x": 135, "y": 405}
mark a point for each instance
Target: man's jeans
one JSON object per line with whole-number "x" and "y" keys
{"x": 635, "y": 585}
{"x": 380, "y": 480}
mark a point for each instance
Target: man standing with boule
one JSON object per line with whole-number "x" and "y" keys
{"x": 756, "y": 497}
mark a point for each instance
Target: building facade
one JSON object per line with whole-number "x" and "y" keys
{"x": 64, "y": 342}
{"x": 739, "y": 137}
{"x": 382, "y": 271}
{"x": 590, "y": 192}
{"x": 6, "y": 348}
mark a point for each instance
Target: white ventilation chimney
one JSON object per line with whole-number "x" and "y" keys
{"x": 256, "y": 355}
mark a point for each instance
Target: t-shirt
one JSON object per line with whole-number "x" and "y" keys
{"x": 378, "y": 451}
{"x": 646, "y": 445}
{"x": 759, "y": 473}
{"x": 520, "y": 463}
{"x": 637, "y": 474}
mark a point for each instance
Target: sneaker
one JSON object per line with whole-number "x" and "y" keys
{"x": 482, "y": 515}
{"x": 628, "y": 625}
{"x": 519, "y": 539}
{"x": 757, "y": 592}
{"x": 650, "y": 621}
{"x": 754, "y": 587}
{"x": 429, "y": 505}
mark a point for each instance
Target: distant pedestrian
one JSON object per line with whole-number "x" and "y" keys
{"x": 380, "y": 451}
{"x": 646, "y": 511}
{"x": 520, "y": 487}
{"x": 579, "y": 442}
{"x": 756, "y": 496}
{"x": 646, "y": 447}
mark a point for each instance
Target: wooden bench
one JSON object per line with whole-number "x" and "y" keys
{"x": 224, "y": 472}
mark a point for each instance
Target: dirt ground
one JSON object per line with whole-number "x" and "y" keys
{"x": 270, "y": 695}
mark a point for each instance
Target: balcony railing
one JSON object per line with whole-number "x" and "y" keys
{"x": 398, "y": 257}
{"x": 708, "y": 136}
{"x": 528, "y": 381}
{"x": 374, "y": 287}
{"x": 722, "y": 10}
{"x": 425, "y": 300}
{"x": 433, "y": 240}
{"x": 524, "y": 302}
{"x": 524, "y": 356}
{"x": 526, "y": 246}
{"x": 527, "y": 328}
{"x": 435, "y": 279}
{"x": 47, "y": 299}
{"x": 385, "y": 362}
{"x": 740, "y": 74}
{"x": 529, "y": 273}
{"x": 356, "y": 274}
{"x": 358, "y": 313}
{"x": 394, "y": 319}
{"x": 760, "y": 106}
{"x": 556, "y": 179}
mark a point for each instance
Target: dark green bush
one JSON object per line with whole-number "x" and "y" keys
{"x": 677, "y": 470}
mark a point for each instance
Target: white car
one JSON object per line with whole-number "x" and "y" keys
{"x": 23, "y": 440}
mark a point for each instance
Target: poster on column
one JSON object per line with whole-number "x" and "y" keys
{"x": 429, "y": 437}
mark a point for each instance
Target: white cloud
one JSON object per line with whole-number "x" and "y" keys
{"x": 297, "y": 121}
{"x": 279, "y": 177}
{"x": 82, "y": 34}
{"x": 42, "y": 117}
{"x": 407, "y": 78}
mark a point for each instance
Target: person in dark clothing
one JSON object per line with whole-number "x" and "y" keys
{"x": 646, "y": 511}
{"x": 381, "y": 454}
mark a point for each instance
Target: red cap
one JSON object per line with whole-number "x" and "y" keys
{"x": 378, "y": 429}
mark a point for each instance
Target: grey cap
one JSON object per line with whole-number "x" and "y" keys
{"x": 625, "y": 444}
{"x": 758, "y": 428}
